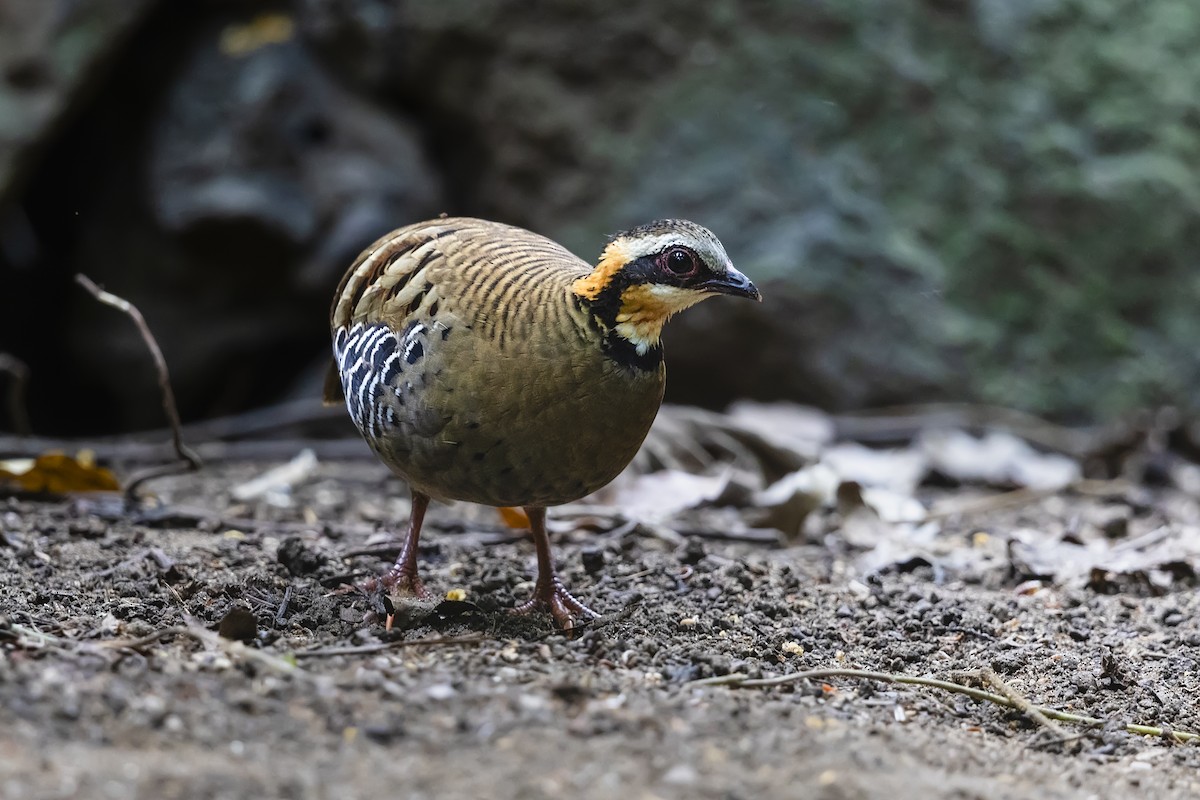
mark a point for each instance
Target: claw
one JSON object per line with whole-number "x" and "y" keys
{"x": 562, "y": 604}
{"x": 549, "y": 591}
{"x": 402, "y": 577}
{"x": 400, "y": 581}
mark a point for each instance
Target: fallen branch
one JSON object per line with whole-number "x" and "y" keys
{"x": 43, "y": 639}
{"x": 238, "y": 650}
{"x": 739, "y": 680}
{"x": 233, "y": 649}
{"x": 188, "y": 460}
{"x": 1020, "y": 702}
{"x": 308, "y": 414}
{"x": 132, "y": 450}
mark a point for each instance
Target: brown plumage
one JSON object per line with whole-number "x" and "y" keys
{"x": 483, "y": 362}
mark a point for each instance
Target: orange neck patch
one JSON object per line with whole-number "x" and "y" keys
{"x": 612, "y": 260}
{"x": 646, "y": 307}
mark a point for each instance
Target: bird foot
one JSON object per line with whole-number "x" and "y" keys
{"x": 563, "y": 607}
{"x": 398, "y": 581}
{"x": 393, "y": 581}
{"x": 379, "y": 591}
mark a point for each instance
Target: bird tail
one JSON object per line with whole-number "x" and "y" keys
{"x": 333, "y": 394}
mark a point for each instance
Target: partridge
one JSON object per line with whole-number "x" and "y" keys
{"x": 486, "y": 363}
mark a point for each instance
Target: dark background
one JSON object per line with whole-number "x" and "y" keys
{"x": 992, "y": 201}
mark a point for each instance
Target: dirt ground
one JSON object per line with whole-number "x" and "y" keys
{"x": 502, "y": 707}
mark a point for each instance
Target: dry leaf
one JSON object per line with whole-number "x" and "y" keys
{"x": 865, "y": 529}
{"x": 999, "y": 459}
{"x": 794, "y": 427}
{"x": 263, "y": 30}
{"x": 514, "y": 518}
{"x": 696, "y": 440}
{"x": 57, "y": 473}
{"x": 898, "y": 470}
{"x": 661, "y": 494}
{"x": 786, "y": 504}
{"x": 893, "y": 506}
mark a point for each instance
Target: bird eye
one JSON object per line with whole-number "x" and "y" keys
{"x": 679, "y": 261}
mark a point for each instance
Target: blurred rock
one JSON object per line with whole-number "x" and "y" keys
{"x": 259, "y": 155}
{"x": 52, "y": 52}
{"x": 224, "y": 193}
{"x": 988, "y": 201}
{"x": 360, "y": 40}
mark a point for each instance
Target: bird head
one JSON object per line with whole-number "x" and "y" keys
{"x": 654, "y": 271}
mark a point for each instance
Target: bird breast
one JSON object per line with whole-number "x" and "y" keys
{"x": 473, "y": 375}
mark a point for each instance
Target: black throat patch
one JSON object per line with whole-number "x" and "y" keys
{"x": 625, "y": 353}
{"x": 602, "y": 316}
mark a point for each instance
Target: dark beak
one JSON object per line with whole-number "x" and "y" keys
{"x": 733, "y": 283}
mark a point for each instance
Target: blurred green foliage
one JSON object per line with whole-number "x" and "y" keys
{"x": 1002, "y": 193}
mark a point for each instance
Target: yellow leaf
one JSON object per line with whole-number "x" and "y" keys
{"x": 263, "y": 30}
{"x": 514, "y": 517}
{"x": 58, "y": 473}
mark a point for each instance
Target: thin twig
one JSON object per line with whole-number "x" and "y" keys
{"x": 18, "y": 410}
{"x": 231, "y": 648}
{"x": 281, "y": 613}
{"x": 240, "y": 650}
{"x": 367, "y": 649}
{"x": 980, "y": 505}
{"x": 305, "y": 414}
{"x": 45, "y": 639}
{"x": 237, "y": 649}
{"x": 221, "y": 438}
{"x": 1018, "y": 701}
{"x": 189, "y": 461}
{"x": 143, "y": 641}
{"x": 740, "y": 680}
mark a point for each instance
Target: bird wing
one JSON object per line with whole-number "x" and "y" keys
{"x": 482, "y": 291}
{"x": 483, "y": 273}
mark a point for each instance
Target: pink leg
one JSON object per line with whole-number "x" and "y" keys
{"x": 549, "y": 591}
{"x": 403, "y": 574}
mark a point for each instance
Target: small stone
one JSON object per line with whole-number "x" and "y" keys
{"x": 368, "y": 678}
{"x": 693, "y": 552}
{"x": 440, "y": 691}
{"x": 298, "y": 558}
{"x": 680, "y": 775}
{"x": 239, "y": 625}
{"x": 382, "y": 732}
{"x": 89, "y": 528}
{"x": 1116, "y": 528}
{"x": 593, "y": 560}
{"x": 154, "y": 707}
